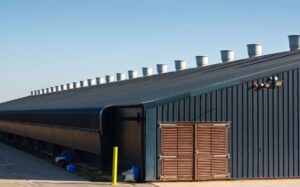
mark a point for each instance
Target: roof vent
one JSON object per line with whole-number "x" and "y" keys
{"x": 57, "y": 88}
{"x": 68, "y": 86}
{"x": 74, "y": 84}
{"x": 227, "y": 56}
{"x": 89, "y": 82}
{"x": 109, "y": 78}
{"x": 254, "y": 50}
{"x": 201, "y": 61}
{"x": 294, "y": 42}
{"x": 51, "y": 89}
{"x": 43, "y": 91}
{"x": 35, "y": 92}
{"x": 31, "y": 93}
{"x": 180, "y": 65}
{"x": 99, "y": 80}
{"x": 81, "y": 84}
{"x": 47, "y": 90}
{"x": 147, "y": 71}
{"x": 132, "y": 74}
{"x": 62, "y": 87}
{"x": 162, "y": 68}
{"x": 39, "y": 92}
{"x": 121, "y": 76}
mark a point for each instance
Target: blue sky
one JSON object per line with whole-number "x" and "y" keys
{"x": 52, "y": 42}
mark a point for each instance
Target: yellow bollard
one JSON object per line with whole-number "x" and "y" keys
{"x": 115, "y": 166}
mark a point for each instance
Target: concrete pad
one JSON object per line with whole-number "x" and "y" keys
{"x": 20, "y": 169}
{"x": 15, "y": 164}
{"x": 235, "y": 183}
{"x": 40, "y": 183}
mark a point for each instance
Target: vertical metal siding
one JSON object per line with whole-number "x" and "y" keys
{"x": 264, "y": 133}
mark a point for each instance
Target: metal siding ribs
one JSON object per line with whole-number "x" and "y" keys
{"x": 264, "y": 137}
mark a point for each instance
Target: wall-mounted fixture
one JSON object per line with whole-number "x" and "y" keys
{"x": 269, "y": 82}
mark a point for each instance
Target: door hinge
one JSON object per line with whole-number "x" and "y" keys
{"x": 161, "y": 157}
{"x": 167, "y": 177}
{"x": 221, "y": 124}
{"x": 219, "y": 156}
{"x": 168, "y": 124}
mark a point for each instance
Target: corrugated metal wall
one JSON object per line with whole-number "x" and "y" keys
{"x": 264, "y": 133}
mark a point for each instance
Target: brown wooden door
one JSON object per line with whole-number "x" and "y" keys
{"x": 176, "y": 157}
{"x": 194, "y": 151}
{"x": 211, "y": 151}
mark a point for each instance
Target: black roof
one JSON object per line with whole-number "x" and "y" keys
{"x": 156, "y": 89}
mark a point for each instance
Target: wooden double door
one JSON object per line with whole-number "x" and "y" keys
{"x": 194, "y": 151}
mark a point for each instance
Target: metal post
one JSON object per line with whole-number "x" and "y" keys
{"x": 115, "y": 166}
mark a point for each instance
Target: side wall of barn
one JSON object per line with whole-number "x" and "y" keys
{"x": 264, "y": 135}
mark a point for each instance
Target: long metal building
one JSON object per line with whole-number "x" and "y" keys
{"x": 233, "y": 120}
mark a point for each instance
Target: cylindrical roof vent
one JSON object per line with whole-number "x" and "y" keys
{"x": 121, "y": 76}
{"x": 294, "y": 42}
{"x": 74, "y": 85}
{"x": 68, "y": 86}
{"x": 47, "y": 90}
{"x": 89, "y": 82}
{"x": 57, "y": 88}
{"x": 147, "y": 71}
{"x": 109, "y": 78}
{"x": 99, "y": 80}
{"x": 35, "y": 92}
{"x": 161, "y": 68}
{"x": 132, "y": 74}
{"x": 43, "y": 91}
{"x": 31, "y": 93}
{"x": 62, "y": 87}
{"x": 180, "y": 65}
{"x": 81, "y": 84}
{"x": 51, "y": 89}
{"x": 254, "y": 50}
{"x": 201, "y": 61}
{"x": 39, "y": 92}
{"x": 227, "y": 56}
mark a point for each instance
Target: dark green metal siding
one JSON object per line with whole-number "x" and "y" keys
{"x": 264, "y": 138}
